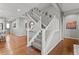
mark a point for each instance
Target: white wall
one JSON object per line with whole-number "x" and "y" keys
{"x": 71, "y": 33}
{"x": 20, "y": 27}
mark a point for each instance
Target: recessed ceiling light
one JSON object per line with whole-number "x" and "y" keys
{"x": 18, "y": 10}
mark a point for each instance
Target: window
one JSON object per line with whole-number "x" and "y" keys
{"x": 7, "y": 25}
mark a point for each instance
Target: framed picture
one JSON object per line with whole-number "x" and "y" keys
{"x": 71, "y": 24}
{"x": 1, "y": 26}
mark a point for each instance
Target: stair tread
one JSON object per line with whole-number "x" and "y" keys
{"x": 38, "y": 41}
{"x": 36, "y": 45}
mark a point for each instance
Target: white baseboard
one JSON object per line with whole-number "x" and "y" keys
{"x": 71, "y": 38}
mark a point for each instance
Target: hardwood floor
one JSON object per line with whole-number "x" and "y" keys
{"x": 16, "y": 45}
{"x": 68, "y": 46}
{"x": 58, "y": 50}
{"x": 65, "y": 47}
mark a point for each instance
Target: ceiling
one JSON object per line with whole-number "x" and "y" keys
{"x": 17, "y": 9}
{"x": 69, "y": 6}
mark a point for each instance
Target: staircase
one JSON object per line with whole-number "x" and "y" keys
{"x": 44, "y": 36}
{"x": 38, "y": 42}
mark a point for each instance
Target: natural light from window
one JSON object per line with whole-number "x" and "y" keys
{"x": 8, "y": 25}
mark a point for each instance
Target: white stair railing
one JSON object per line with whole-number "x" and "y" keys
{"x": 31, "y": 19}
{"x": 33, "y": 15}
{"x": 47, "y": 32}
{"x": 36, "y": 29}
{"x": 52, "y": 39}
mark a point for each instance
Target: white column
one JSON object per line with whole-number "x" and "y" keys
{"x": 43, "y": 42}
{"x": 28, "y": 41}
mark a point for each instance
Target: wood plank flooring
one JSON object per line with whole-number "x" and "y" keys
{"x": 16, "y": 45}
{"x": 65, "y": 47}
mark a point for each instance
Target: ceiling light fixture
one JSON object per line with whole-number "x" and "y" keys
{"x": 18, "y": 10}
